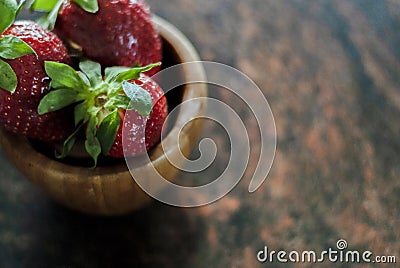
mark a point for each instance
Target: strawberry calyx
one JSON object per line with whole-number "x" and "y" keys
{"x": 98, "y": 98}
{"x": 11, "y": 47}
{"x": 9, "y": 9}
{"x": 52, "y": 7}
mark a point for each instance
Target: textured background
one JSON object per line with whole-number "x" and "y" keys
{"x": 330, "y": 71}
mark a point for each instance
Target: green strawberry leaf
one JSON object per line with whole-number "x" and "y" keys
{"x": 49, "y": 20}
{"x": 57, "y": 99}
{"x": 140, "y": 99}
{"x": 120, "y": 74}
{"x": 53, "y": 7}
{"x": 92, "y": 70}
{"x": 118, "y": 101}
{"x": 8, "y": 12}
{"x": 69, "y": 143}
{"x": 64, "y": 76}
{"x": 80, "y": 113}
{"x": 84, "y": 78}
{"x": 20, "y": 6}
{"x": 111, "y": 73}
{"x": 8, "y": 78}
{"x": 90, "y": 6}
{"x": 12, "y": 47}
{"x": 92, "y": 143}
{"x": 108, "y": 131}
{"x": 43, "y": 5}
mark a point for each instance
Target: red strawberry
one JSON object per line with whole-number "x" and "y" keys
{"x": 18, "y": 110}
{"x": 107, "y": 104}
{"x": 119, "y": 34}
{"x": 133, "y": 120}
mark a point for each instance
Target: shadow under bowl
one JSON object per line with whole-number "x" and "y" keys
{"x": 109, "y": 189}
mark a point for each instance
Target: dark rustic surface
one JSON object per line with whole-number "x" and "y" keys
{"x": 330, "y": 71}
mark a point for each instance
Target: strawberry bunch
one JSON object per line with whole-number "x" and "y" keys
{"x": 50, "y": 94}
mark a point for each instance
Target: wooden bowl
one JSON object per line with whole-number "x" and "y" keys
{"x": 110, "y": 189}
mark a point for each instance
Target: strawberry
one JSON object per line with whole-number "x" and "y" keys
{"x": 18, "y": 103}
{"x": 121, "y": 33}
{"x": 151, "y": 126}
{"x": 107, "y": 104}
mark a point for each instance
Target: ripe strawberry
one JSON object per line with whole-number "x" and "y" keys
{"x": 120, "y": 100}
{"x": 18, "y": 110}
{"x": 121, "y": 33}
{"x": 132, "y": 120}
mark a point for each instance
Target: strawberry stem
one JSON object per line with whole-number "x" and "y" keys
{"x": 101, "y": 100}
